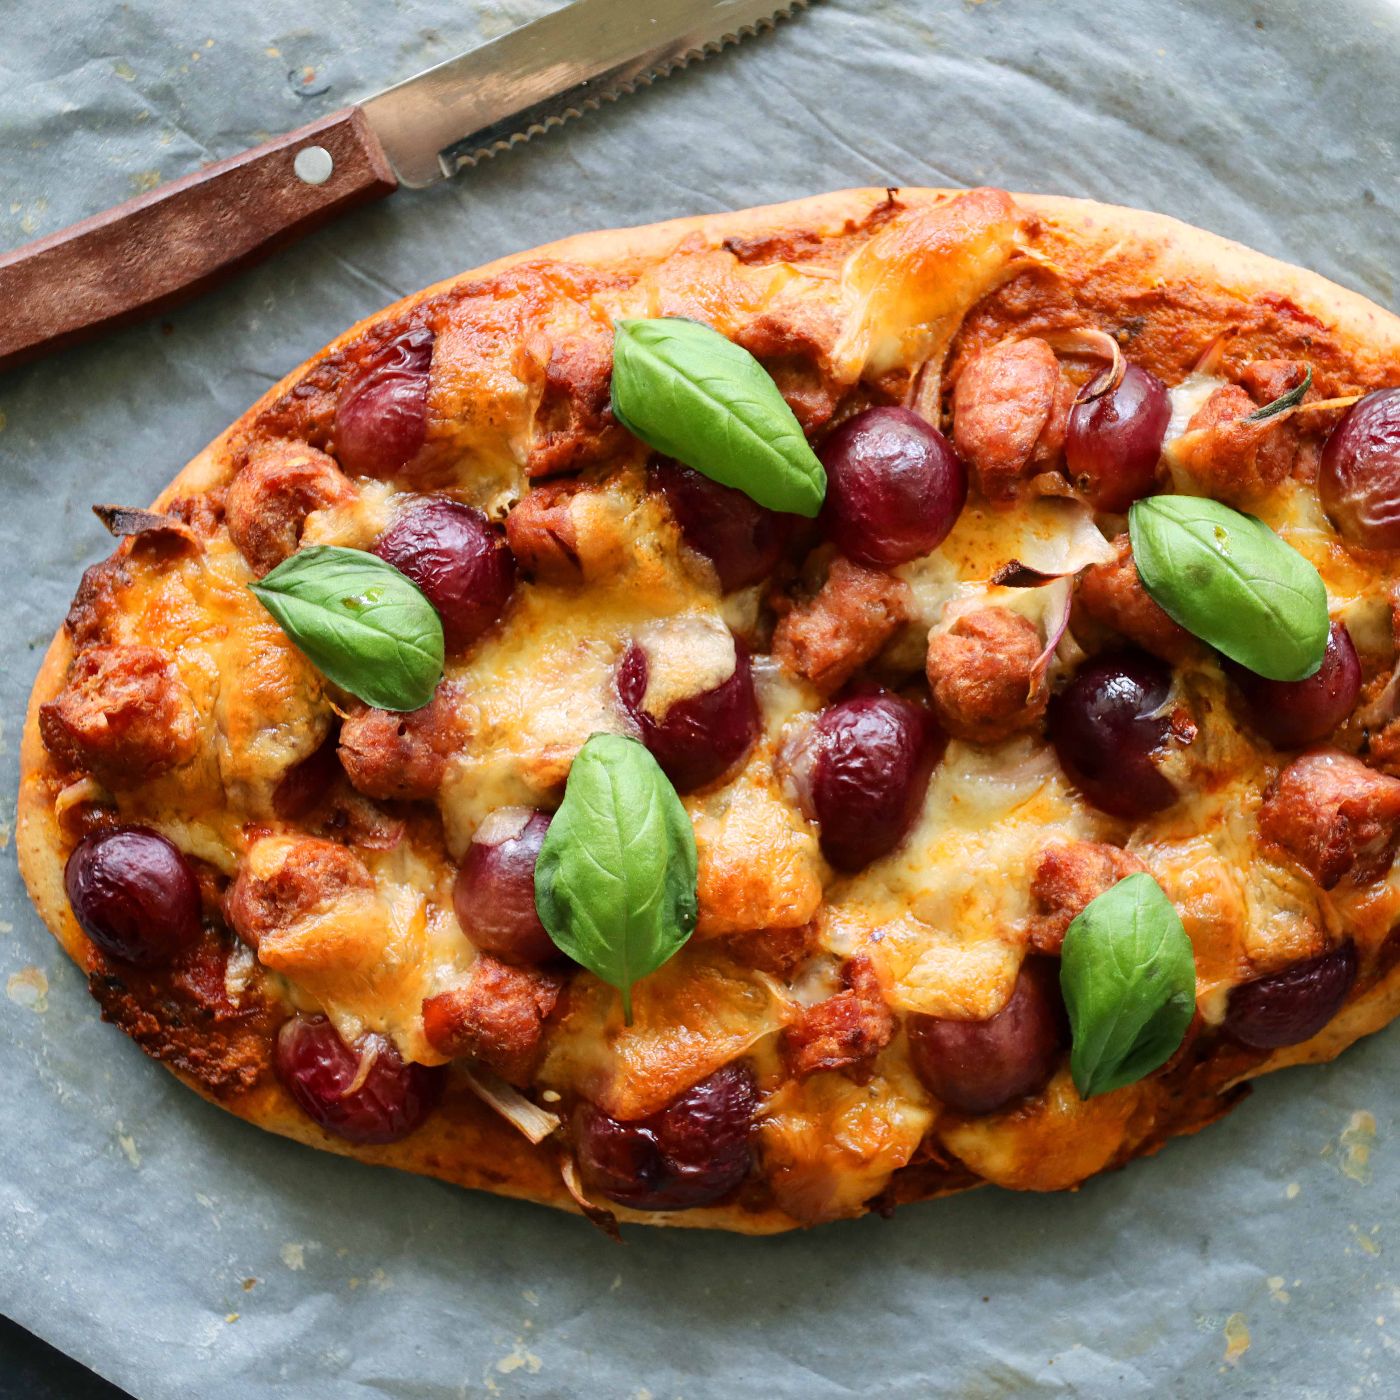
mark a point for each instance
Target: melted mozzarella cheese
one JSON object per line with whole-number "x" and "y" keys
{"x": 686, "y": 656}
{"x": 943, "y": 917}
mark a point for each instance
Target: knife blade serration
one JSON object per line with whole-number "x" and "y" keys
{"x": 560, "y": 66}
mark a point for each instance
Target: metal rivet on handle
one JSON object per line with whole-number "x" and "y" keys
{"x": 313, "y": 165}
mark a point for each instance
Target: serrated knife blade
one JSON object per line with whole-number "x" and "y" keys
{"x": 162, "y": 247}
{"x": 559, "y": 66}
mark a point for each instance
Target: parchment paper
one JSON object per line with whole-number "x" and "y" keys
{"x": 183, "y": 1254}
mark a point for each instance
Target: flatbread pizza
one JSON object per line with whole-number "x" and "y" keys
{"x": 757, "y": 719}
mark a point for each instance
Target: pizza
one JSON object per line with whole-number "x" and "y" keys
{"x": 758, "y": 719}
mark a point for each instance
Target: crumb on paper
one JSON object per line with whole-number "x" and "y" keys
{"x": 531, "y": 1297}
{"x": 1291, "y": 1191}
{"x": 127, "y": 1143}
{"x": 616, "y": 1284}
{"x": 232, "y": 1317}
{"x": 519, "y": 1358}
{"x": 1276, "y": 1289}
{"x": 29, "y": 988}
{"x": 1356, "y": 1141}
{"x": 293, "y": 1256}
{"x": 124, "y": 71}
{"x": 272, "y": 51}
{"x": 1366, "y": 1241}
{"x": 249, "y": 1284}
{"x": 1236, "y": 1338}
{"x": 143, "y": 181}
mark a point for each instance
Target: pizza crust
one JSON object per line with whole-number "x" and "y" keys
{"x": 469, "y": 1145}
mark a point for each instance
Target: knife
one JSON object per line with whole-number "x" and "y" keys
{"x": 163, "y": 247}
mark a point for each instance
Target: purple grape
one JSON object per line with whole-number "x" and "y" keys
{"x": 895, "y": 487}
{"x": 134, "y": 895}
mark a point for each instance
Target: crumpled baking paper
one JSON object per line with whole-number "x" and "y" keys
{"x": 182, "y": 1253}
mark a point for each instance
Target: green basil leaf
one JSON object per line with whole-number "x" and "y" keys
{"x": 1290, "y": 399}
{"x": 1230, "y": 580}
{"x": 688, "y": 392}
{"x": 360, "y": 622}
{"x": 1128, "y": 974}
{"x": 615, "y": 878}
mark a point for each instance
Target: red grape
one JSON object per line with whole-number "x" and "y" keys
{"x": 861, "y": 770}
{"x": 1359, "y": 480}
{"x": 691, "y": 1153}
{"x": 981, "y": 1066}
{"x": 464, "y": 567}
{"x": 134, "y": 895}
{"x": 495, "y": 891}
{"x": 319, "y": 1070}
{"x": 1285, "y": 1008}
{"x": 1290, "y": 714}
{"x": 700, "y": 736}
{"x": 1112, "y": 443}
{"x": 1109, "y": 726}
{"x": 740, "y": 538}
{"x": 382, "y": 417}
{"x": 894, "y": 489}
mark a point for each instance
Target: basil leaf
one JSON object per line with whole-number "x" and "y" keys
{"x": 688, "y": 392}
{"x": 1128, "y": 974}
{"x": 1290, "y": 399}
{"x": 1229, "y": 579}
{"x": 615, "y": 878}
{"x": 360, "y": 622}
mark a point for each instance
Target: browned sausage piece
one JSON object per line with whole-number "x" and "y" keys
{"x": 280, "y": 485}
{"x": 496, "y": 1017}
{"x": 542, "y": 535}
{"x": 309, "y": 877}
{"x": 843, "y": 1030}
{"x": 1267, "y": 380}
{"x": 981, "y": 676}
{"x": 403, "y": 755}
{"x": 1112, "y": 593}
{"x": 1335, "y": 816}
{"x": 1230, "y": 458}
{"x": 830, "y": 636}
{"x": 1003, "y": 401}
{"x": 97, "y": 607}
{"x": 124, "y": 716}
{"x": 1065, "y": 878}
{"x": 574, "y": 422}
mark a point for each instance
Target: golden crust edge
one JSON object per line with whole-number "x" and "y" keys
{"x": 1178, "y": 252}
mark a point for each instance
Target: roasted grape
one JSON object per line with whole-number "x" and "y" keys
{"x": 740, "y": 538}
{"x": 895, "y": 487}
{"x": 381, "y": 1102}
{"x": 1113, "y": 442}
{"x": 1359, "y": 479}
{"x": 1290, "y": 714}
{"x": 464, "y": 567}
{"x": 691, "y": 1153}
{"x": 698, "y": 737}
{"x": 134, "y": 895}
{"x": 1287, "y": 1007}
{"x": 1110, "y": 728}
{"x": 495, "y": 891}
{"x": 981, "y": 1066}
{"x": 382, "y": 417}
{"x": 861, "y": 771}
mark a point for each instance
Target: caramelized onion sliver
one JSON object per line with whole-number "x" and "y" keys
{"x": 1087, "y": 340}
{"x": 1059, "y": 596}
{"x": 367, "y": 1058}
{"x": 597, "y": 1215}
{"x": 533, "y": 1121}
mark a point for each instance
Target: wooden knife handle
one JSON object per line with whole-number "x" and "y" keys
{"x": 165, "y": 246}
